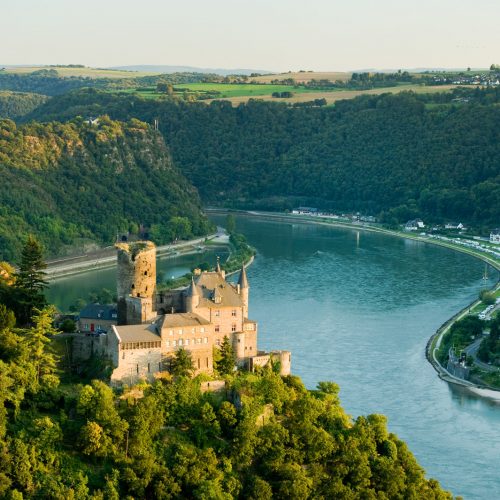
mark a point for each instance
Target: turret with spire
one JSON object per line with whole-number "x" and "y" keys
{"x": 192, "y": 297}
{"x": 218, "y": 268}
{"x": 243, "y": 290}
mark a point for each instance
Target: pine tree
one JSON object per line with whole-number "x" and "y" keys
{"x": 30, "y": 281}
{"x": 181, "y": 364}
{"x": 37, "y": 340}
{"x": 31, "y": 275}
{"x": 225, "y": 365}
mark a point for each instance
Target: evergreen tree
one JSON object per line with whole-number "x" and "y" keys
{"x": 181, "y": 364}
{"x": 37, "y": 340}
{"x": 30, "y": 281}
{"x": 225, "y": 365}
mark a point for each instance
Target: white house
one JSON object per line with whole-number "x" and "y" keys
{"x": 495, "y": 236}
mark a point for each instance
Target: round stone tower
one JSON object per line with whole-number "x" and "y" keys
{"x": 136, "y": 277}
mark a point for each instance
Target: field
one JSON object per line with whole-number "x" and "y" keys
{"x": 334, "y": 95}
{"x": 89, "y": 72}
{"x": 304, "y": 76}
{"x": 230, "y": 90}
{"x": 241, "y": 93}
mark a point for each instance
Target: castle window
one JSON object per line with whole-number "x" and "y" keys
{"x": 207, "y": 362}
{"x": 217, "y": 313}
{"x": 193, "y": 330}
{"x": 168, "y": 343}
{"x": 170, "y": 332}
{"x": 180, "y": 332}
{"x": 174, "y": 343}
{"x": 202, "y": 330}
{"x": 198, "y": 341}
{"x": 199, "y": 364}
{"x": 145, "y": 273}
{"x": 233, "y": 312}
{"x": 137, "y": 368}
{"x": 133, "y": 286}
{"x": 149, "y": 368}
{"x": 205, "y": 340}
{"x": 180, "y": 342}
{"x": 186, "y": 342}
{"x": 233, "y": 327}
{"x": 217, "y": 341}
{"x": 123, "y": 355}
{"x": 217, "y": 328}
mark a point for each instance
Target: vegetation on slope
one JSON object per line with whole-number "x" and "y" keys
{"x": 14, "y": 105}
{"x": 398, "y": 156}
{"x": 64, "y": 182}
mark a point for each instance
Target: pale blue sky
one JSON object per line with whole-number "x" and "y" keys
{"x": 273, "y": 34}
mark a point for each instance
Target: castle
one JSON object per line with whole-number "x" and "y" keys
{"x": 152, "y": 325}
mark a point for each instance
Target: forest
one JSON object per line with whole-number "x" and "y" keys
{"x": 74, "y": 182}
{"x": 17, "y": 104}
{"x": 396, "y": 156}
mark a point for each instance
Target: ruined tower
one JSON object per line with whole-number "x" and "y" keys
{"x": 136, "y": 282}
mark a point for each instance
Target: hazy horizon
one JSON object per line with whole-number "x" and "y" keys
{"x": 277, "y": 36}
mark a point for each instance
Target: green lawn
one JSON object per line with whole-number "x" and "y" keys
{"x": 239, "y": 90}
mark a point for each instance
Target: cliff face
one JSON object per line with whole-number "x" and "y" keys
{"x": 65, "y": 182}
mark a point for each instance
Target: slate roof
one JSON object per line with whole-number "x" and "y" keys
{"x": 106, "y": 312}
{"x": 181, "y": 319}
{"x": 138, "y": 333}
{"x": 210, "y": 285}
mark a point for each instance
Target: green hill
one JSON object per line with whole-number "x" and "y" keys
{"x": 398, "y": 156}
{"x": 64, "y": 182}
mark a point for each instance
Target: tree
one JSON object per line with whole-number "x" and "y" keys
{"x": 181, "y": 364}
{"x": 37, "y": 340}
{"x": 487, "y": 297}
{"x": 230, "y": 223}
{"x": 30, "y": 281}
{"x": 225, "y": 365}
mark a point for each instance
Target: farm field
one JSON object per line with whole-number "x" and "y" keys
{"x": 336, "y": 95}
{"x": 229, "y": 90}
{"x": 90, "y": 72}
{"x": 303, "y": 76}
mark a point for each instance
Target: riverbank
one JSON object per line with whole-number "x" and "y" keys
{"x": 435, "y": 339}
{"x": 106, "y": 258}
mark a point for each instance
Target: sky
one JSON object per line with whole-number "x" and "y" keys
{"x": 276, "y": 35}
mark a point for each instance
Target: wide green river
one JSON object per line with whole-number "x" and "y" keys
{"x": 358, "y": 308}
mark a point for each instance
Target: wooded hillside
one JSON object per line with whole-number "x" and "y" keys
{"x": 64, "y": 182}
{"x": 398, "y": 156}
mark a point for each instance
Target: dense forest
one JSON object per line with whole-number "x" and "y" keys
{"x": 396, "y": 156}
{"x": 17, "y": 104}
{"x": 74, "y": 181}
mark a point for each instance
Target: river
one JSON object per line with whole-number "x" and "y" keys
{"x": 358, "y": 308}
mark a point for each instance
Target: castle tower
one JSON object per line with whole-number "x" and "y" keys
{"x": 243, "y": 290}
{"x": 136, "y": 281}
{"x": 192, "y": 297}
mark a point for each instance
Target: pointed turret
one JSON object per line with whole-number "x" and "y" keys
{"x": 243, "y": 289}
{"x": 218, "y": 268}
{"x": 192, "y": 297}
{"x": 192, "y": 290}
{"x": 243, "y": 280}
